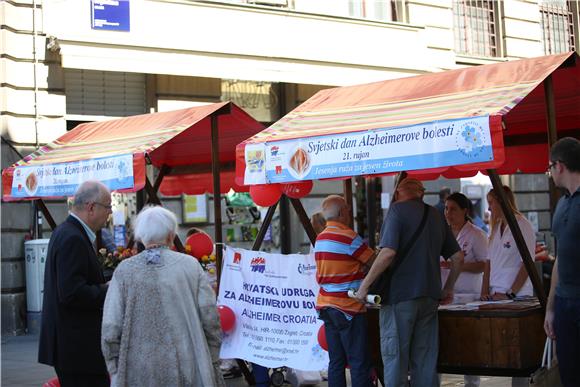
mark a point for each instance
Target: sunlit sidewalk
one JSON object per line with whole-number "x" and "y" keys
{"x": 20, "y": 368}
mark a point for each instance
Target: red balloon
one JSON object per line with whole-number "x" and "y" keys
{"x": 322, "y": 338}
{"x": 200, "y": 244}
{"x": 227, "y": 318}
{"x": 265, "y": 195}
{"x": 297, "y": 189}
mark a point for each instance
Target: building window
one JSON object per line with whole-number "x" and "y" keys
{"x": 379, "y": 10}
{"x": 475, "y": 26}
{"x": 557, "y": 23}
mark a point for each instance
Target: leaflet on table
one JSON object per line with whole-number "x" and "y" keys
{"x": 63, "y": 179}
{"x": 273, "y": 297}
{"x": 430, "y": 145}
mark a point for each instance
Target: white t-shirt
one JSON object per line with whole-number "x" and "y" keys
{"x": 505, "y": 259}
{"x": 473, "y": 243}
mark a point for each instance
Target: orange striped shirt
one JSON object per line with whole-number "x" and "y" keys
{"x": 340, "y": 255}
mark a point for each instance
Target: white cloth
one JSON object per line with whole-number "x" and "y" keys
{"x": 505, "y": 259}
{"x": 473, "y": 243}
{"x": 160, "y": 324}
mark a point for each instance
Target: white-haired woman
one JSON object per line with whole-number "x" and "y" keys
{"x": 160, "y": 322}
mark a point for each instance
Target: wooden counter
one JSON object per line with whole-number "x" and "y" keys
{"x": 496, "y": 339}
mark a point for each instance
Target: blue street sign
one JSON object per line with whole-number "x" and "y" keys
{"x": 111, "y": 15}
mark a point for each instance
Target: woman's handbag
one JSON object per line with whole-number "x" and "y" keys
{"x": 548, "y": 375}
{"x": 381, "y": 284}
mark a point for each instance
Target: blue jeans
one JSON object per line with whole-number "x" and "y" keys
{"x": 410, "y": 342}
{"x": 347, "y": 344}
{"x": 567, "y": 329}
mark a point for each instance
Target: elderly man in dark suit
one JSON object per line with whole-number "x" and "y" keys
{"x": 74, "y": 293}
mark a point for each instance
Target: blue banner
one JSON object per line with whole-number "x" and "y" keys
{"x": 422, "y": 146}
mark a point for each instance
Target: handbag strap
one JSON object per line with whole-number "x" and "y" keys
{"x": 403, "y": 252}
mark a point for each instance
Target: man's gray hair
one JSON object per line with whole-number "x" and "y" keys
{"x": 154, "y": 224}
{"x": 88, "y": 192}
{"x": 332, "y": 205}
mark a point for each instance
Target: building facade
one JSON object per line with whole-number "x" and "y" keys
{"x": 64, "y": 62}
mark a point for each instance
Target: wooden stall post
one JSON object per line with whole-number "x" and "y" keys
{"x": 40, "y": 203}
{"x": 217, "y": 201}
{"x": 347, "y": 192}
{"x": 518, "y": 237}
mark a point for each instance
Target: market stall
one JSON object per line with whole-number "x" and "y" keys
{"x": 191, "y": 149}
{"x": 497, "y": 119}
{"x": 188, "y": 151}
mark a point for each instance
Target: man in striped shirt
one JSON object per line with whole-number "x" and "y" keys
{"x": 342, "y": 259}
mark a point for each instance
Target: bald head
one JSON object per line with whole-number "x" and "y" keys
{"x": 410, "y": 189}
{"x": 334, "y": 208}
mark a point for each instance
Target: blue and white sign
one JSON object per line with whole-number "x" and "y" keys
{"x": 273, "y": 297}
{"x": 63, "y": 179}
{"x": 111, "y": 15}
{"x": 430, "y": 145}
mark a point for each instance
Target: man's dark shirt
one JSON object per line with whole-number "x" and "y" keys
{"x": 566, "y": 228}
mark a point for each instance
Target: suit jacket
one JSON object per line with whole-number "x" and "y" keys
{"x": 72, "y": 312}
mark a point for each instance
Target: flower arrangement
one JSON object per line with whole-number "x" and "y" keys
{"x": 207, "y": 262}
{"x": 110, "y": 261}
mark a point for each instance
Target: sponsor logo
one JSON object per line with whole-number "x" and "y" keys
{"x": 237, "y": 258}
{"x": 470, "y": 139}
{"x": 306, "y": 268}
{"x": 258, "y": 264}
{"x": 255, "y": 161}
{"x": 274, "y": 150}
{"x": 278, "y": 169}
{"x": 507, "y": 245}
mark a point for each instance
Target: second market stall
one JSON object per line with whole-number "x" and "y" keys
{"x": 498, "y": 119}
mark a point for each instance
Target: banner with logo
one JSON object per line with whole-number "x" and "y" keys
{"x": 273, "y": 297}
{"x": 63, "y": 179}
{"x": 430, "y": 145}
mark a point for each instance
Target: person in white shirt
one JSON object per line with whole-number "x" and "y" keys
{"x": 508, "y": 277}
{"x": 473, "y": 242}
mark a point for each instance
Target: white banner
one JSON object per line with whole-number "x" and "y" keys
{"x": 428, "y": 145}
{"x": 63, "y": 179}
{"x": 273, "y": 297}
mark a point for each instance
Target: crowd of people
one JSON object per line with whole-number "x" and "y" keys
{"x": 156, "y": 323}
{"x": 406, "y": 272}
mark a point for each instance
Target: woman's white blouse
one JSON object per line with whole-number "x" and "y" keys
{"x": 473, "y": 243}
{"x": 505, "y": 259}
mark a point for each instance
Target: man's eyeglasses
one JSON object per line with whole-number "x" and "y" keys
{"x": 107, "y": 206}
{"x": 549, "y": 169}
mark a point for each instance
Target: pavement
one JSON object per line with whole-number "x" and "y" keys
{"x": 20, "y": 368}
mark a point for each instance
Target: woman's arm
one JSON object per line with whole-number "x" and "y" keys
{"x": 485, "y": 282}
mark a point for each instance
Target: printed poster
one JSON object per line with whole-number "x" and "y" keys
{"x": 273, "y": 297}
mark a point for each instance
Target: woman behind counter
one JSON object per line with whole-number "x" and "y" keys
{"x": 160, "y": 322}
{"x": 473, "y": 243}
{"x": 507, "y": 277}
